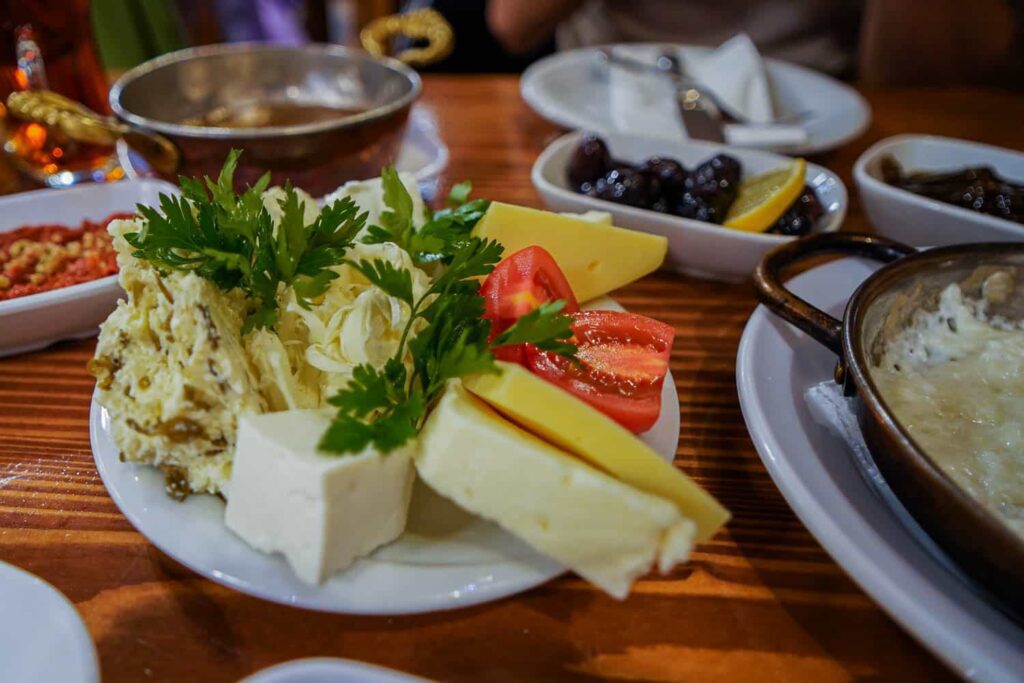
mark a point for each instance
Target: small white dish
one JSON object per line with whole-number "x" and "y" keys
{"x": 571, "y": 89}
{"x": 695, "y": 248}
{"x": 446, "y": 558}
{"x": 330, "y": 670}
{"x": 776, "y": 365}
{"x": 32, "y": 322}
{"x": 920, "y": 221}
{"x": 42, "y": 637}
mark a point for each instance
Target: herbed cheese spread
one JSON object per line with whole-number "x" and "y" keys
{"x": 175, "y": 373}
{"x": 955, "y": 380}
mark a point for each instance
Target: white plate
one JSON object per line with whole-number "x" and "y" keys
{"x": 32, "y": 322}
{"x": 330, "y": 670}
{"x": 920, "y": 221}
{"x": 776, "y": 364}
{"x": 422, "y": 153}
{"x": 695, "y": 248}
{"x": 445, "y": 559}
{"x": 42, "y": 637}
{"x": 571, "y": 89}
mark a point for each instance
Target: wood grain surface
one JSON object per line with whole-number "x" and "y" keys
{"x": 762, "y": 601}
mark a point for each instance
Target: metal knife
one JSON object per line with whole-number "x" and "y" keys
{"x": 702, "y": 119}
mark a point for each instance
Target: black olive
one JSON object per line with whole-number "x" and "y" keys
{"x": 589, "y": 161}
{"x": 624, "y": 186}
{"x": 670, "y": 173}
{"x": 719, "y": 173}
{"x": 695, "y": 207}
{"x": 800, "y": 217}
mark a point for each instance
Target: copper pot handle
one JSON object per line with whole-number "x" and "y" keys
{"x": 773, "y": 293}
{"x": 79, "y": 123}
{"x": 423, "y": 24}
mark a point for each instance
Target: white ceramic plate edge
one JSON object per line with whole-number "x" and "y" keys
{"x": 333, "y": 669}
{"x": 79, "y": 645}
{"x": 529, "y": 91}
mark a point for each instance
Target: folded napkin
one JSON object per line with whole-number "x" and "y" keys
{"x": 834, "y": 411}
{"x": 645, "y": 103}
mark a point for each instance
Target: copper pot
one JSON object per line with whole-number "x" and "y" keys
{"x": 981, "y": 543}
{"x": 162, "y": 107}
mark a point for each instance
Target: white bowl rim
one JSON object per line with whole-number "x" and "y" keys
{"x": 834, "y": 218}
{"x": 864, "y": 178}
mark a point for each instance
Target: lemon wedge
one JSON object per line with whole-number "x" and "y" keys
{"x": 762, "y": 199}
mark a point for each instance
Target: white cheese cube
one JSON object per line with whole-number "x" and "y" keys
{"x": 606, "y": 531}
{"x": 321, "y": 511}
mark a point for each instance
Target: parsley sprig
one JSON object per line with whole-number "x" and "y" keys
{"x": 385, "y": 407}
{"x": 230, "y": 239}
{"x": 440, "y": 237}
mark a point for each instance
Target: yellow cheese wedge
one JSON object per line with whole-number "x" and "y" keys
{"x": 595, "y": 258}
{"x": 562, "y": 419}
{"x": 603, "y": 529}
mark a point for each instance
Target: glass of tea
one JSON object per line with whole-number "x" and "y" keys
{"x": 49, "y": 46}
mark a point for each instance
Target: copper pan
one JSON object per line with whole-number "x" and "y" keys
{"x": 984, "y": 546}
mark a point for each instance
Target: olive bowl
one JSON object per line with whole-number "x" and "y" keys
{"x": 981, "y": 543}
{"x": 373, "y": 96}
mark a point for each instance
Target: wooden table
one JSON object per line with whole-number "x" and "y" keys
{"x": 762, "y": 601}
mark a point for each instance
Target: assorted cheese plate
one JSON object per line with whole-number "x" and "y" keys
{"x": 371, "y": 407}
{"x": 445, "y": 558}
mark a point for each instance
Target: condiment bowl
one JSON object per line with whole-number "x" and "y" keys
{"x": 921, "y": 221}
{"x": 695, "y": 248}
{"x": 373, "y": 97}
{"x": 38, "y": 320}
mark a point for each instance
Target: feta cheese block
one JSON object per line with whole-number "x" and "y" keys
{"x": 321, "y": 511}
{"x": 595, "y": 258}
{"x": 603, "y": 529}
{"x": 559, "y": 417}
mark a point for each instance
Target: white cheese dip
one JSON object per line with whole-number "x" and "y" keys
{"x": 955, "y": 380}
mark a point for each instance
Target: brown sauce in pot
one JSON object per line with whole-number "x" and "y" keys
{"x": 272, "y": 114}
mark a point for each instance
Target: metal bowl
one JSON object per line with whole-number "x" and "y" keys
{"x": 159, "y": 95}
{"x": 979, "y": 541}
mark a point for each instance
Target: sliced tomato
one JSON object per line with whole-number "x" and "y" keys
{"x": 519, "y": 284}
{"x": 622, "y": 362}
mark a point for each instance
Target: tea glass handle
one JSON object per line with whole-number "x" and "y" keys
{"x": 772, "y": 292}
{"x": 82, "y": 124}
{"x": 423, "y": 24}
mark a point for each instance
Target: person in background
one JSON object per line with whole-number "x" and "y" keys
{"x": 477, "y": 49}
{"x": 881, "y": 42}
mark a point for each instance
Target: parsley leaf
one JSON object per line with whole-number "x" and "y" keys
{"x": 230, "y": 239}
{"x": 443, "y": 232}
{"x": 396, "y": 222}
{"x": 544, "y": 327}
{"x": 459, "y": 194}
{"x": 396, "y": 282}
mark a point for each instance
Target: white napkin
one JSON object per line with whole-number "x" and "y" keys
{"x": 645, "y": 103}
{"x": 835, "y": 412}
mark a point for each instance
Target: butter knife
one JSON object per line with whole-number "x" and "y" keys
{"x": 702, "y": 119}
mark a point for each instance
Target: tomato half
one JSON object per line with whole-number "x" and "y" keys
{"x": 519, "y": 284}
{"x": 623, "y": 359}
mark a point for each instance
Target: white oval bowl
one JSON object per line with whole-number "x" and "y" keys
{"x": 920, "y": 221}
{"x": 37, "y": 320}
{"x": 695, "y": 248}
